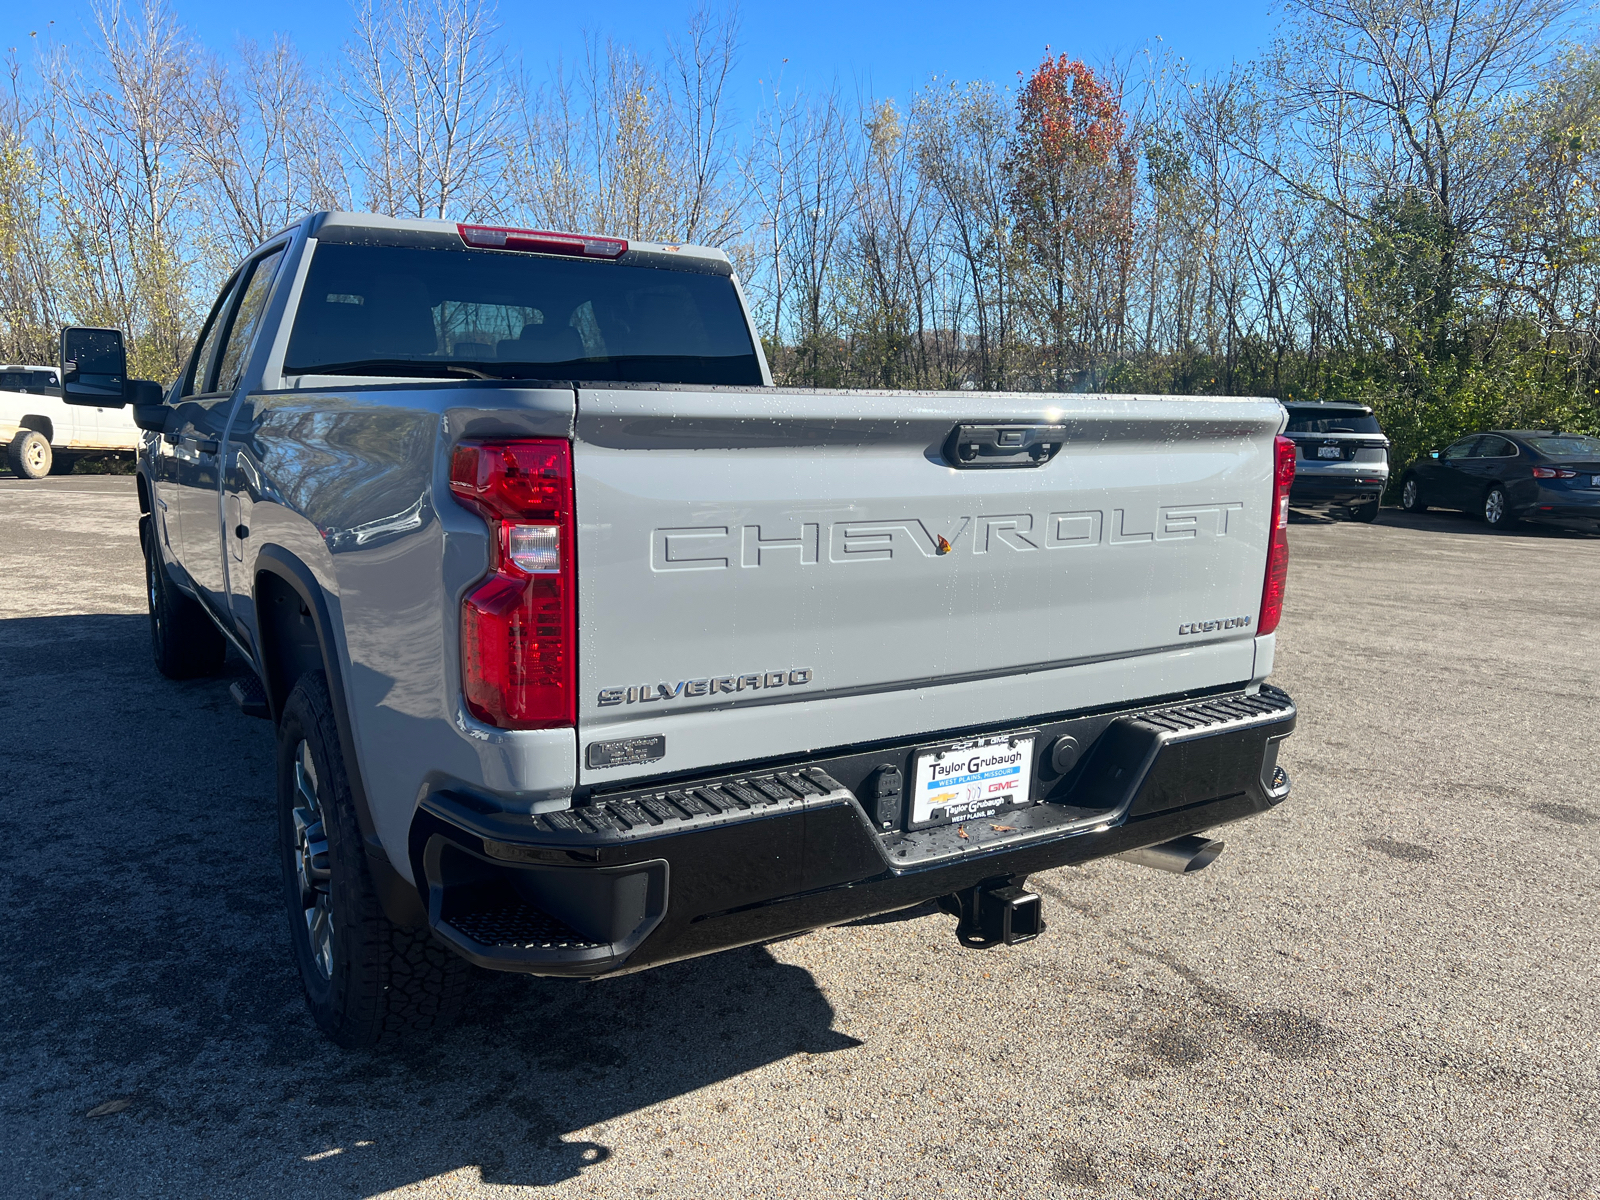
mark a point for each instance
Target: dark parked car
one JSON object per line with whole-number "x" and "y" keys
{"x": 1341, "y": 457}
{"x": 1507, "y": 475}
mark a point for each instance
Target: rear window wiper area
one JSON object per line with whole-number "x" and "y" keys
{"x": 393, "y": 366}
{"x": 636, "y": 368}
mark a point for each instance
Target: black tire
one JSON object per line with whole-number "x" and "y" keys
{"x": 1367, "y": 512}
{"x": 1496, "y": 511}
{"x": 367, "y": 981}
{"x": 183, "y": 640}
{"x": 1411, "y": 495}
{"x": 29, "y": 455}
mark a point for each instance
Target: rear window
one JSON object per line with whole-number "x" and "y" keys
{"x": 21, "y": 381}
{"x": 1566, "y": 445}
{"x": 517, "y": 316}
{"x": 1321, "y": 420}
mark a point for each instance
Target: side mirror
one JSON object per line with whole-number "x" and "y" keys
{"x": 94, "y": 367}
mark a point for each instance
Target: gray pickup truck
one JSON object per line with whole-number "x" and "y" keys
{"x": 589, "y": 649}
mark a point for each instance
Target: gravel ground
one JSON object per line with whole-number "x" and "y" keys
{"x": 1385, "y": 987}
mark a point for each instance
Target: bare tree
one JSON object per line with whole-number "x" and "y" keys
{"x": 264, "y": 164}
{"x": 28, "y": 317}
{"x": 962, "y": 141}
{"x": 699, "y": 66}
{"x": 431, "y": 93}
{"x": 115, "y": 145}
{"x": 623, "y": 147}
{"x": 1378, "y": 99}
{"x": 801, "y": 175}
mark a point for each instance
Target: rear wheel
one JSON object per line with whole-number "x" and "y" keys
{"x": 1367, "y": 512}
{"x": 366, "y": 979}
{"x": 29, "y": 454}
{"x": 1411, "y": 496}
{"x": 183, "y": 641}
{"x": 1496, "y": 512}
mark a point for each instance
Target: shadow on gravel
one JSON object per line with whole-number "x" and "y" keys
{"x": 147, "y": 978}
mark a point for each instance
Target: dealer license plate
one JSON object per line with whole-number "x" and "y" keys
{"x": 1329, "y": 452}
{"x": 970, "y": 780}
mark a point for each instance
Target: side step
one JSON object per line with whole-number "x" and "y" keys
{"x": 251, "y": 697}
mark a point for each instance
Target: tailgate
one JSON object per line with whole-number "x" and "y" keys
{"x": 764, "y": 573}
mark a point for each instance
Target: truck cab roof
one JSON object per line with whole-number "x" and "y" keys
{"x": 377, "y": 230}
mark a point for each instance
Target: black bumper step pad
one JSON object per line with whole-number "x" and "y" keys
{"x": 1214, "y": 716}
{"x": 644, "y": 813}
{"x": 519, "y": 926}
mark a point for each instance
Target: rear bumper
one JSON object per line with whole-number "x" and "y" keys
{"x": 1549, "y": 504}
{"x": 1337, "y": 489}
{"x": 643, "y": 877}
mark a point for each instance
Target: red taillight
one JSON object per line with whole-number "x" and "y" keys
{"x": 519, "y": 626}
{"x": 1278, "y": 541}
{"x": 1554, "y": 473}
{"x": 538, "y": 241}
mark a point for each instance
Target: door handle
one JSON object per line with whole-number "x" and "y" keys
{"x": 1017, "y": 444}
{"x": 170, "y": 439}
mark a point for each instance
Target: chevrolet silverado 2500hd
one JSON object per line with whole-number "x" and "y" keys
{"x": 589, "y": 649}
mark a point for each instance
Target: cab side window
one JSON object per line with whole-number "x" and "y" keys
{"x": 246, "y": 318}
{"x": 200, "y": 365}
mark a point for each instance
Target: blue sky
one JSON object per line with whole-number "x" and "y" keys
{"x": 887, "y": 49}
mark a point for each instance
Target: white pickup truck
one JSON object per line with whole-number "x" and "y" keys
{"x": 42, "y": 434}
{"x": 587, "y": 648}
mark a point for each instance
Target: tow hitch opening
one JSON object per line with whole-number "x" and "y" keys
{"x": 995, "y": 911}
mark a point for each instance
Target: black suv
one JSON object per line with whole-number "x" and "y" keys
{"x": 1342, "y": 457}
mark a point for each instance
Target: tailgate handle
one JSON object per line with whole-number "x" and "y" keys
{"x": 1014, "y": 444}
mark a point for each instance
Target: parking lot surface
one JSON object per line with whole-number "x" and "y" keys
{"x": 1386, "y": 987}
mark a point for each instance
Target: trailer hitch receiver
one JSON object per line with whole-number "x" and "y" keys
{"x": 995, "y": 911}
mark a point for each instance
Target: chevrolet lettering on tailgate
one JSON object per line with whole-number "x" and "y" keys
{"x": 717, "y": 547}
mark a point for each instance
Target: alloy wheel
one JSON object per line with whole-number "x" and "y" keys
{"x": 151, "y": 588}
{"x": 1494, "y": 507}
{"x": 1408, "y": 494}
{"x": 311, "y": 861}
{"x": 33, "y": 454}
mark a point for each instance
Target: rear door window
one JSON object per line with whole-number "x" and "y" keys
{"x": 200, "y": 365}
{"x": 252, "y": 303}
{"x": 1459, "y": 450}
{"x": 1494, "y": 447}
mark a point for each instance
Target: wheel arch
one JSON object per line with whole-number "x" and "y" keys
{"x": 39, "y": 423}
{"x": 294, "y": 635}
